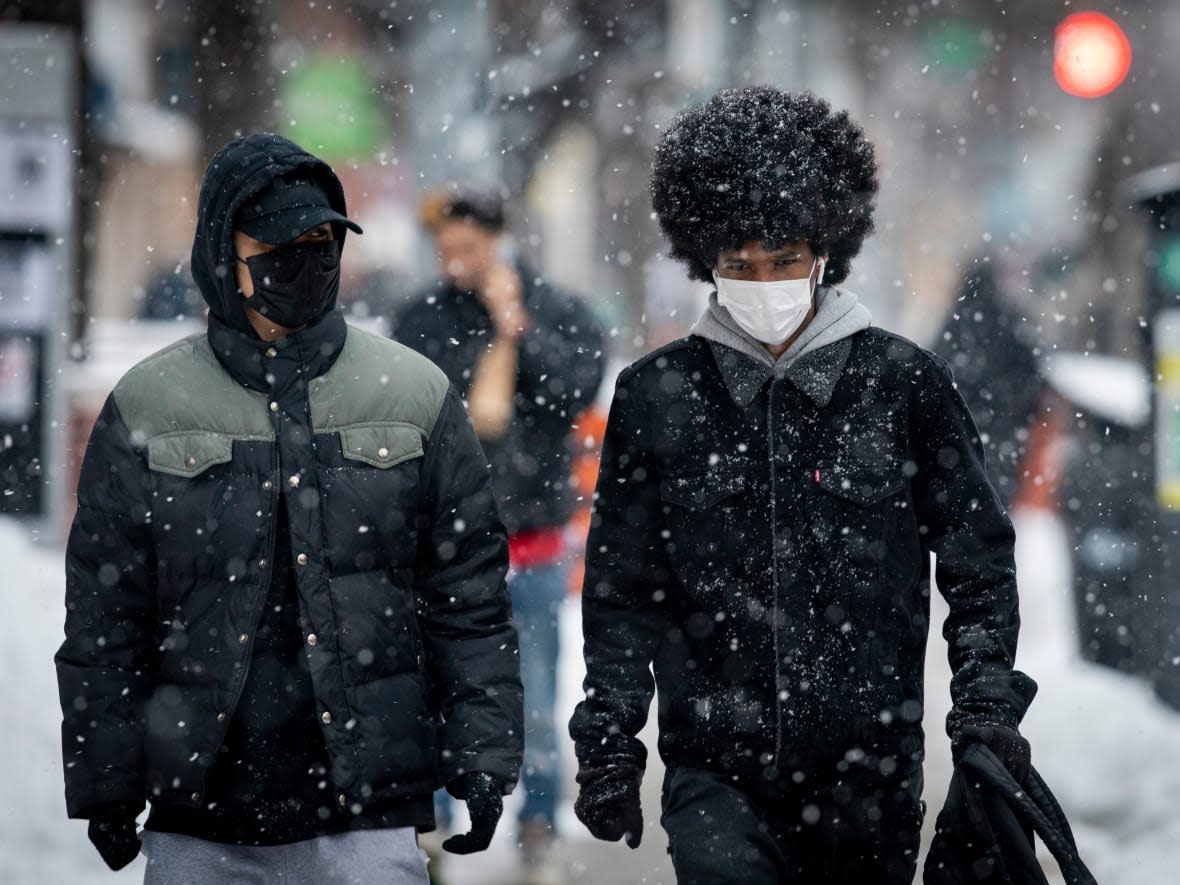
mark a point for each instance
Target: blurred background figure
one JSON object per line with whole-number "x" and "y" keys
{"x": 170, "y": 294}
{"x": 527, "y": 358}
{"x": 991, "y": 351}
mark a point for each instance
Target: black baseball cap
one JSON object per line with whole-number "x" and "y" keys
{"x": 287, "y": 208}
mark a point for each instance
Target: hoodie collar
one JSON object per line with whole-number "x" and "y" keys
{"x": 278, "y": 367}
{"x": 813, "y": 363}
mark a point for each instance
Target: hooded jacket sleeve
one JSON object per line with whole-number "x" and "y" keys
{"x": 105, "y": 665}
{"x": 964, "y": 524}
{"x": 464, "y": 610}
{"x": 626, "y": 579}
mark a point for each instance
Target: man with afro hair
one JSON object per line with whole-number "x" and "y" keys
{"x": 771, "y": 488}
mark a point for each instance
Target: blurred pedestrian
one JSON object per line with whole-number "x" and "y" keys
{"x": 286, "y": 622}
{"x": 170, "y": 294}
{"x": 771, "y": 488}
{"x": 527, "y": 357}
{"x": 990, "y": 351}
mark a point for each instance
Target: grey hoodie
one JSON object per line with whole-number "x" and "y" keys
{"x": 838, "y": 315}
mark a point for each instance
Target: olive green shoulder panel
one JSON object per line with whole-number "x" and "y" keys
{"x": 183, "y": 390}
{"x": 376, "y": 380}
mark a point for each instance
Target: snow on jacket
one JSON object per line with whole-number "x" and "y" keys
{"x": 400, "y": 554}
{"x": 559, "y": 372}
{"x": 763, "y": 539}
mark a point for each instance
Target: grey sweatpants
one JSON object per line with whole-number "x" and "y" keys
{"x": 391, "y": 857}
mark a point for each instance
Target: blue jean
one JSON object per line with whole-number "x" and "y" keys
{"x": 537, "y": 594}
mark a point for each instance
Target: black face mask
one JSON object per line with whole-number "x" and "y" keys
{"x": 293, "y": 285}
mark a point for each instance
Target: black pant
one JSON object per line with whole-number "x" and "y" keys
{"x": 860, "y": 828}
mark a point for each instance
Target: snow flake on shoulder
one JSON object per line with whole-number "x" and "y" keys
{"x": 671, "y": 347}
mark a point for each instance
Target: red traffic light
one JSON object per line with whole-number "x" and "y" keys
{"x": 1091, "y": 56}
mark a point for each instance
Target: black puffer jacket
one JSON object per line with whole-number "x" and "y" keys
{"x": 559, "y": 372}
{"x": 399, "y": 554}
{"x": 765, "y": 544}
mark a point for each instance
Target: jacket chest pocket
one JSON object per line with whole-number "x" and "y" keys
{"x": 708, "y": 517}
{"x": 855, "y": 509}
{"x": 188, "y": 454}
{"x": 700, "y": 492}
{"x": 372, "y": 496}
{"x": 207, "y": 514}
{"x": 380, "y": 445}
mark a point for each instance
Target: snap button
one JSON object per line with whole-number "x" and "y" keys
{"x": 196, "y": 797}
{"x": 383, "y": 452}
{"x": 266, "y": 484}
{"x": 293, "y": 482}
{"x": 190, "y": 461}
{"x": 244, "y": 638}
{"x": 271, "y": 352}
{"x": 342, "y": 799}
{"x": 274, "y": 407}
{"x": 220, "y": 717}
{"x": 326, "y": 718}
{"x": 312, "y": 639}
{"x": 301, "y": 559}
{"x": 262, "y": 563}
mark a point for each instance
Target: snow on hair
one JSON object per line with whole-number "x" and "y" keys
{"x": 758, "y": 163}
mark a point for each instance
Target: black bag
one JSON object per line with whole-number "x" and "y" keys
{"x": 984, "y": 833}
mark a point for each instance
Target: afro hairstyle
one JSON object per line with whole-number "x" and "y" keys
{"x": 758, "y": 163}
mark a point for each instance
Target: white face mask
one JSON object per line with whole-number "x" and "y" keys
{"x": 770, "y": 312}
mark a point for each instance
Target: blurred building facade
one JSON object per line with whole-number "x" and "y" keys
{"x": 564, "y": 100}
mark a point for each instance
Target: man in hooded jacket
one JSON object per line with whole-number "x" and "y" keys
{"x": 771, "y": 489}
{"x": 287, "y": 620}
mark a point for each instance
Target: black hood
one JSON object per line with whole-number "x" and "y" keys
{"x": 236, "y": 173}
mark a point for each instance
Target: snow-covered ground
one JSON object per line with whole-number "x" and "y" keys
{"x": 1106, "y": 747}
{"x": 37, "y": 844}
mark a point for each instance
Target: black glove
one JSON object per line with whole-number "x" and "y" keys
{"x": 608, "y": 803}
{"x": 1008, "y": 745}
{"x": 112, "y": 830}
{"x": 484, "y": 794}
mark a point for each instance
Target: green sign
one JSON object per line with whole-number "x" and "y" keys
{"x": 331, "y": 109}
{"x": 1169, "y": 266}
{"x": 956, "y": 46}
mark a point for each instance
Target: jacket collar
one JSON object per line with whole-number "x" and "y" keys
{"x": 816, "y": 372}
{"x": 274, "y": 367}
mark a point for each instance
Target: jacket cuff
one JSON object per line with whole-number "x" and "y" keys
{"x": 86, "y": 807}
{"x": 1004, "y": 703}
{"x": 617, "y": 753}
{"x": 503, "y": 770}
